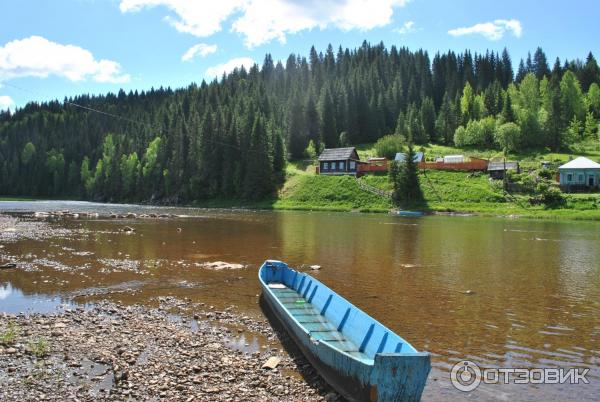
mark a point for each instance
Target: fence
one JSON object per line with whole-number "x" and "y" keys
{"x": 374, "y": 190}
{"x": 379, "y": 166}
{"x": 473, "y": 164}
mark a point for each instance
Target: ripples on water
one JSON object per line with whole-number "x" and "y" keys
{"x": 502, "y": 293}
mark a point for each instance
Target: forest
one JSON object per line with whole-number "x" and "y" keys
{"x": 230, "y": 138}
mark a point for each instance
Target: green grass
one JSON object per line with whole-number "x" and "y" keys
{"x": 468, "y": 193}
{"x": 10, "y": 334}
{"x": 39, "y": 347}
{"x": 334, "y": 193}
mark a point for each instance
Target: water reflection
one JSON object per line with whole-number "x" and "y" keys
{"x": 14, "y": 301}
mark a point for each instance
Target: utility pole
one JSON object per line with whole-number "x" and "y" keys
{"x": 505, "y": 177}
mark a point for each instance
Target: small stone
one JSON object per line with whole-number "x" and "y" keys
{"x": 272, "y": 363}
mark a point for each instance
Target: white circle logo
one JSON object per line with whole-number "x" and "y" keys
{"x": 465, "y": 376}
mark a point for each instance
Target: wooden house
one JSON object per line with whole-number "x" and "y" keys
{"x": 339, "y": 161}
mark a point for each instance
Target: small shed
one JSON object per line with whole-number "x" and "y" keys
{"x": 498, "y": 169}
{"x": 401, "y": 157}
{"x": 580, "y": 173}
{"x": 338, "y": 161}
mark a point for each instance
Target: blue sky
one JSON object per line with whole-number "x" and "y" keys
{"x": 53, "y": 49}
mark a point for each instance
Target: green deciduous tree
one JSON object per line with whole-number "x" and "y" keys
{"x": 387, "y": 146}
{"x": 571, "y": 98}
{"x": 28, "y": 153}
{"x": 508, "y": 137}
{"x": 130, "y": 173}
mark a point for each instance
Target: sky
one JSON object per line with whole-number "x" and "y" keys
{"x": 61, "y": 48}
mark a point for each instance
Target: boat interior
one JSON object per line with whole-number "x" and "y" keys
{"x": 328, "y": 317}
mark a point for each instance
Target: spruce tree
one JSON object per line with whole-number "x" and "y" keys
{"x": 428, "y": 120}
{"x": 590, "y": 73}
{"x": 258, "y": 181}
{"x": 508, "y": 115}
{"x": 297, "y": 136}
{"x": 540, "y": 64}
{"x": 405, "y": 179}
{"x": 327, "y": 119}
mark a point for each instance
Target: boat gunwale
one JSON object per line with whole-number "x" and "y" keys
{"x": 371, "y": 361}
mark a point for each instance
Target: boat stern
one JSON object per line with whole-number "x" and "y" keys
{"x": 399, "y": 376}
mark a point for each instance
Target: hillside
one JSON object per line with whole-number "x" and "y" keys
{"x": 229, "y": 139}
{"x": 444, "y": 192}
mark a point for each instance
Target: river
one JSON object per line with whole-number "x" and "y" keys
{"x": 498, "y": 292}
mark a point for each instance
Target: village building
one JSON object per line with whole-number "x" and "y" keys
{"x": 579, "y": 174}
{"x": 498, "y": 169}
{"x": 401, "y": 157}
{"x": 339, "y": 161}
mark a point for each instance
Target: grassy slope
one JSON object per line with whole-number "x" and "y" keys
{"x": 443, "y": 191}
{"x": 305, "y": 190}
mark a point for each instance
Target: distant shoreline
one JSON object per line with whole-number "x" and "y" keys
{"x": 490, "y": 210}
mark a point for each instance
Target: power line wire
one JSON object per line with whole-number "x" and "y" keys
{"x": 161, "y": 130}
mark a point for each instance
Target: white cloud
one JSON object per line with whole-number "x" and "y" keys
{"x": 38, "y": 57}
{"x": 408, "y": 27}
{"x": 491, "y": 30}
{"x": 227, "y": 67}
{"x": 199, "y": 18}
{"x": 6, "y": 103}
{"x": 261, "y": 21}
{"x": 201, "y": 49}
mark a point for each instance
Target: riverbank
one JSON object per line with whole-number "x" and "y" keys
{"x": 178, "y": 350}
{"x": 444, "y": 193}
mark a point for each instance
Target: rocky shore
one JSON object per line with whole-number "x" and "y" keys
{"x": 177, "y": 350}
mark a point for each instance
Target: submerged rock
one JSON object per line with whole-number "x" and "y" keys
{"x": 220, "y": 265}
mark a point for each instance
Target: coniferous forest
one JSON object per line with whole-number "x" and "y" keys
{"x": 230, "y": 138}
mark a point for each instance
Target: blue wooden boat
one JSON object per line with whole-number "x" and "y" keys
{"x": 359, "y": 357}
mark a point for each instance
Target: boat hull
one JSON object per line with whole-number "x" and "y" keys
{"x": 383, "y": 377}
{"x": 348, "y": 386}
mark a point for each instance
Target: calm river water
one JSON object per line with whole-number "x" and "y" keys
{"x": 498, "y": 292}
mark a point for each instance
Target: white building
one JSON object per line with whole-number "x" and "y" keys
{"x": 580, "y": 172}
